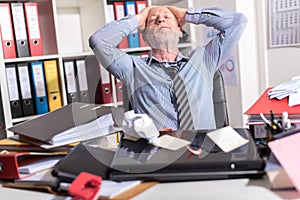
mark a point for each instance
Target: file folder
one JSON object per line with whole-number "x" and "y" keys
{"x": 13, "y": 90}
{"x": 82, "y": 81}
{"x": 133, "y": 37}
{"x": 140, "y": 5}
{"x": 71, "y": 87}
{"x": 25, "y": 89}
{"x": 119, "y": 11}
{"x": 19, "y": 24}
{"x": 12, "y": 162}
{"x": 52, "y": 84}
{"x": 33, "y": 29}
{"x": 110, "y": 14}
{"x": 6, "y": 32}
{"x": 71, "y": 123}
{"x": 39, "y": 87}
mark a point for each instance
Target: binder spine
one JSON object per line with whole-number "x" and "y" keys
{"x": 82, "y": 81}
{"x": 70, "y": 73}
{"x": 39, "y": 87}
{"x": 26, "y": 90}
{"x": 6, "y": 32}
{"x": 33, "y": 29}
{"x": 20, "y": 29}
{"x": 52, "y": 84}
{"x": 13, "y": 90}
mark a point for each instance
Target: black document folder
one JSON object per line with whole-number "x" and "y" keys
{"x": 25, "y": 89}
{"x": 140, "y": 160}
{"x": 84, "y": 158}
{"x": 13, "y": 90}
{"x": 45, "y": 127}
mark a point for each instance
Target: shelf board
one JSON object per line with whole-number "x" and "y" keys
{"x": 73, "y": 3}
{"x": 33, "y": 58}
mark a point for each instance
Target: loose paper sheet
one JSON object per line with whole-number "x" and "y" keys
{"x": 227, "y": 138}
{"x": 170, "y": 142}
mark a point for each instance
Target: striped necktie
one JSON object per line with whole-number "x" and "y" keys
{"x": 184, "y": 116}
{"x": 185, "y": 120}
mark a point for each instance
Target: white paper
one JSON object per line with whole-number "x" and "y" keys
{"x": 227, "y": 138}
{"x": 139, "y": 126}
{"x": 170, "y": 142}
{"x": 40, "y": 165}
{"x": 110, "y": 189}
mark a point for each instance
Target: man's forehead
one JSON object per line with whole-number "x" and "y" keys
{"x": 157, "y": 10}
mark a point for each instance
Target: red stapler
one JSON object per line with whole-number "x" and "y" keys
{"x": 86, "y": 186}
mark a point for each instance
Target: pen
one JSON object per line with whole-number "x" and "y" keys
{"x": 286, "y": 122}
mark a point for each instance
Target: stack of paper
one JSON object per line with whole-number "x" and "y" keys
{"x": 289, "y": 89}
{"x": 71, "y": 123}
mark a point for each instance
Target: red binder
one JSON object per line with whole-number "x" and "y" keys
{"x": 10, "y": 163}
{"x": 140, "y": 5}
{"x": 264, "y": 105}
{"x": 119, "y": 10}
{"x": 7, "y": 33}
{"x": 33, "y": 29}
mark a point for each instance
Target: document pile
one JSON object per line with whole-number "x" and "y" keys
{"x": 289, "y": 89}
{"x": 71, "y": 123}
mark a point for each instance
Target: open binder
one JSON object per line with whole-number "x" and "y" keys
{"x": 71, "y": 123}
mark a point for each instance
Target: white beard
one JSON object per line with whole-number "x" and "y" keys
{"x": 162, "y": 39}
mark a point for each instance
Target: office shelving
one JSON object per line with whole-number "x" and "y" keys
{"x": 65, "y": 29}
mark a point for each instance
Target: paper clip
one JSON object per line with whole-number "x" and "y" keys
{"x": 86, "y": 186}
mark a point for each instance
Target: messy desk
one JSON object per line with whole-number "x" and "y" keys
{"x": 184, "y": 162}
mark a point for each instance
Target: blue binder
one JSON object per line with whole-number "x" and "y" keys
{"x": 39, "y": 87}
{"x": 133, "y": 38}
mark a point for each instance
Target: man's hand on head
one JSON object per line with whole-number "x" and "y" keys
{"x": 142, "y": 17}
{"x": 179, "y": 14}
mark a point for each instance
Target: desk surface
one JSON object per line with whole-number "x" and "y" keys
{"x": 234, "y": 189}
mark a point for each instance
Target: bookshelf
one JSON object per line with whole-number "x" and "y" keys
{"x": 65, "y": 27}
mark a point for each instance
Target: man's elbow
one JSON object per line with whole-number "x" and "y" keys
{"x": 92, "y": 41}
{"x": 242, "y": 19}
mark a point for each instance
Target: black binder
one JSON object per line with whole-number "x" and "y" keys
{"x": 25, "y": 89}
{"x": 86, "y": 158}
{"x": 13, "y": 90}
{"x": 94, "y": 76}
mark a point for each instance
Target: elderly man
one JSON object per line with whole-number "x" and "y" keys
{"x": 151, "y": 82}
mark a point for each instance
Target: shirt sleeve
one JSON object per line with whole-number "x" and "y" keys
{"x": 104, "y": 45}
{"x": 230, "y": 26}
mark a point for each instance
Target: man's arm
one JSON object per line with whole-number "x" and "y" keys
{"x": 105, "y": 40}
{"x": 229, "y": 24}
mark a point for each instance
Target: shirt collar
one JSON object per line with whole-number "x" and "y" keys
{"x": 179, "y": 58}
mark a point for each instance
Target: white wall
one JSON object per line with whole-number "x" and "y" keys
{"x": 260, "y": 67}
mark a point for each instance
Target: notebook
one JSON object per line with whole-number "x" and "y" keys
{"x": 141, "y": 161}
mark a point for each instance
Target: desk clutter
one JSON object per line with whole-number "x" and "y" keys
{"x": 274, "y": 121}
{"x": 110, "y": 154}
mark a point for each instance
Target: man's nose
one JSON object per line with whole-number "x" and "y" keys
{"x": 160, "y": 20}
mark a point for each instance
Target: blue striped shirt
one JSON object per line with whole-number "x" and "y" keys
{"x": 150, "y": 86}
